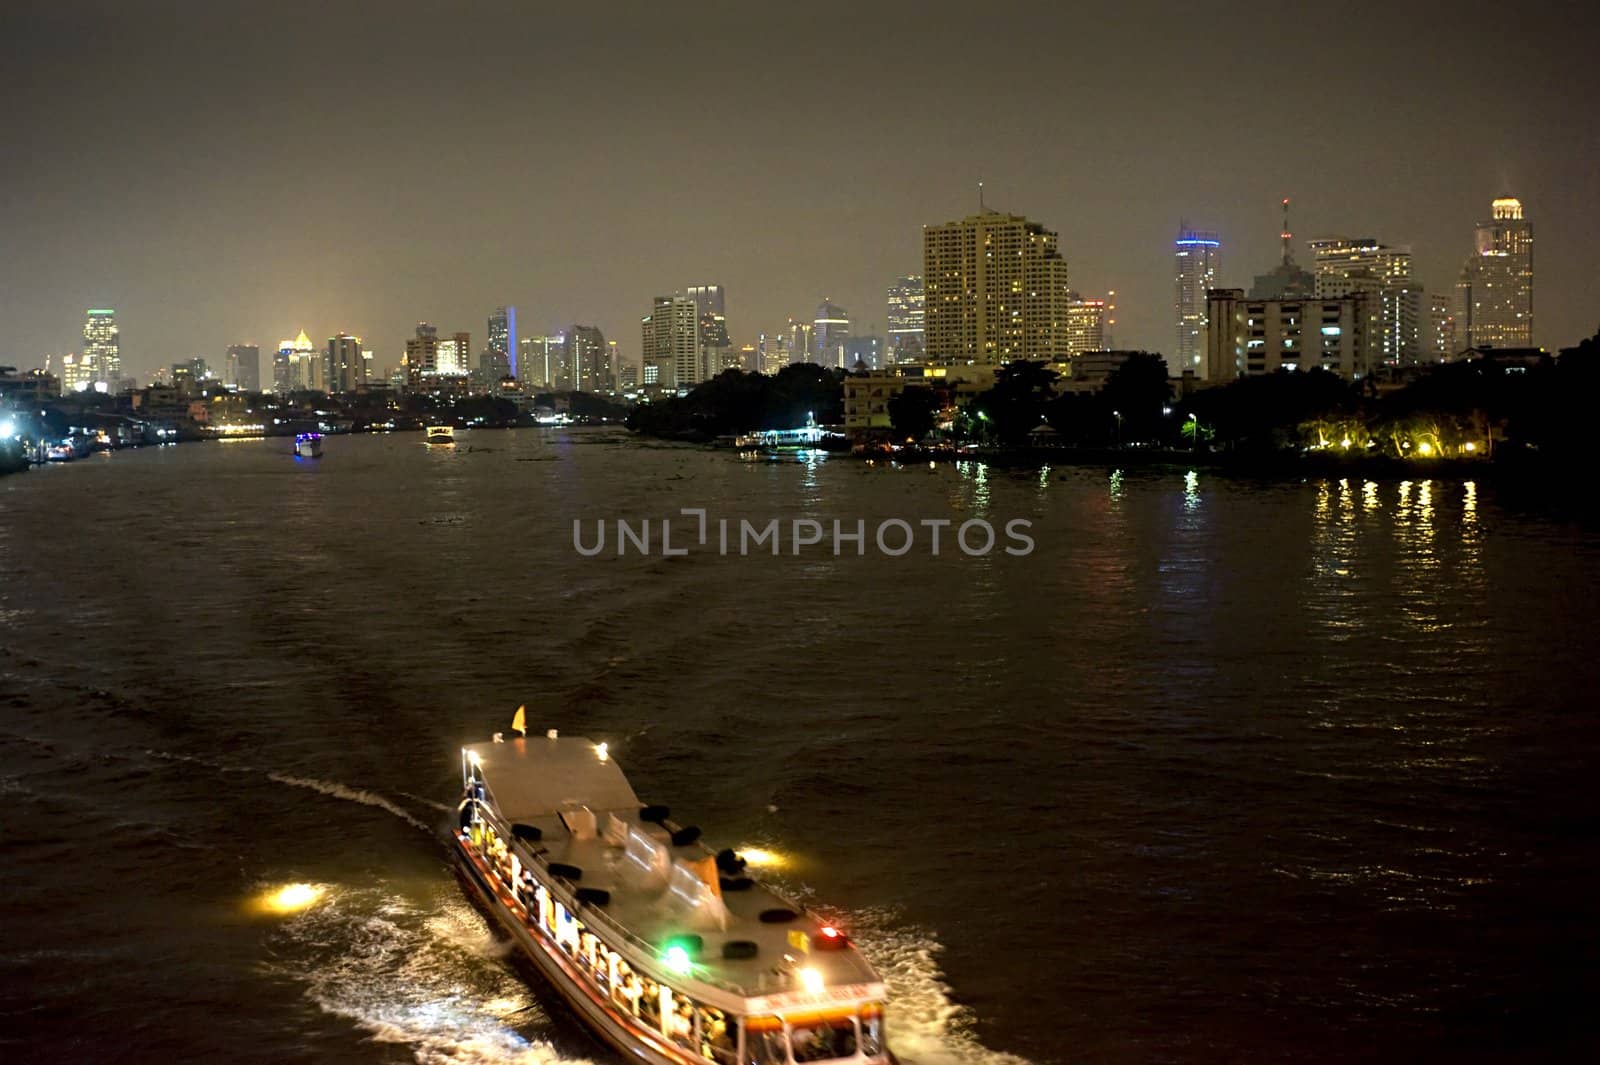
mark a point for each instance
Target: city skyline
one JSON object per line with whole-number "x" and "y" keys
{"x": 548, "y": 235}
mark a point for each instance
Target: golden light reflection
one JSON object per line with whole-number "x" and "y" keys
{"x": 762, "y": 858}
{"x": 290, "y": 898}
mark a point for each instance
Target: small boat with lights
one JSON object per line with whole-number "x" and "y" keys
{"x": 440, "y": 434}
{"x": 665, "y": 948}
{"x": 308, "y": 445}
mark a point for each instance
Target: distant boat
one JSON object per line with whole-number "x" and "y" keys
{"x": 440, "y": 434}
{"x": 308, "y": 445}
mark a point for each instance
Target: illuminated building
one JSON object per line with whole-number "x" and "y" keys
{"x": 866, "y": 352}
{"x": 716, "y": 350}
{"x": 189, "y": 375}
{"x": 1494, "y": 296}
{"x": 906, "y": 320}
{"x": 830, "y": 331}
{"x": 77, "y": 374}
{"x": 102, "y": 351}
{"x": 422, "y": 354}
{"x": 772, "y": 351}
{"x": 708, "y": 299}
{"x": 1086, "y": 325}
{"x": 297, "y": 366}
{"x": 1345, "y": 267}
{"x": 994, "y": 289}
{"x": 542, "y": 362}
{"x": 627, "y": 376}
{"x": 586, "y": 347}
{"x": 493, "y": 366}
{"x": 1248, "y": 337}
{"x": 242, "y": 368}
{"x": 1439, "y": 343}
{"x": 346, "y": 369}
{"x": 671, "y": 339}
{"x": 1199, "y": 259}
{"x": 503, "y": 339}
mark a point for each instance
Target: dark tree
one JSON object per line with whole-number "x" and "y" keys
{"x": 1136, "y": 393}
{"x": 913, "y": 411}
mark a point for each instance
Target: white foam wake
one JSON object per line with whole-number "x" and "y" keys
{"x": 428, "y": 978}
{"x": 340, "y": 791}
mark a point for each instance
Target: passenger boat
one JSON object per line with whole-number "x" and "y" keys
{"x": 664, "y": 948}
{"x": 440, "y": 434}
{"x": 308, "y": 445}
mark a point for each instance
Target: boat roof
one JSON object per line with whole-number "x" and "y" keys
{"x": 533, "y": 781}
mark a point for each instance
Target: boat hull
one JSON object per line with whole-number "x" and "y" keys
{"x": 606, "y": 1023}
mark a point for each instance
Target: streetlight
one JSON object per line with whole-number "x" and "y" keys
{"x": 1117, "y": 414}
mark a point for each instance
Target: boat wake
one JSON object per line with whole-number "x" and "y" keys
{"x": 427, "y": 977}
{"x": 340, "y": 791}
{"x": 925, "y": 1026}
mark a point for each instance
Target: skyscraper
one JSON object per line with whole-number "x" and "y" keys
{"x": 716, "y": 350}
{"x": 543, "y": 363}
{"x": 102, "y": 350}
{"x": 422, "y": 354}
{"x": 708, "y": 299}
{"x": 1286, "y": 280}
{"x": 1350, "y": 267}
{"x": 1199, "y": 260}
{"x": 346, "y": 370}
{"x": 1494, "y": 296}
{"x": 1086, "y": 325}
{"x": 905, "y": 319}
{"x": 586, "y": 349}
{"x": 671, "y": 336}
{"x": 298, "y": 366}
{"x": 503, "y": 338}
{"x": 995, "y": 289}
{"x": 242, "y": 368}
{"x": 830, "y": 332}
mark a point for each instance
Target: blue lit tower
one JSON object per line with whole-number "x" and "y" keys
{"x": 1199, "y": 260}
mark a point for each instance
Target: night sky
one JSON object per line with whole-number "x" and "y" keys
{"x": 225, "y": 172}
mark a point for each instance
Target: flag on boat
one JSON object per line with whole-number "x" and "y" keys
{"x": 520, "y": 721}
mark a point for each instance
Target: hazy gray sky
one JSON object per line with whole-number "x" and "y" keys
{"x": 224, "y": 172}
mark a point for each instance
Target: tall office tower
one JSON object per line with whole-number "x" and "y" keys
{"x": 627, "y": 376}
{"x": 800, "y": 340}
{"x": 1346, "y": 266}
{"x": 772, "y": 351}
{"x": 543, "y": 363}
{"x": 1286, "y": 280}
{"x": 503, "y": 338}
{"x": 422, "y": 354}
{"x": 716, "y": 350}
{"x": 864, "y": 351}
{"x": 671, "y": 342}
{"x": 297, "y": 365}
{"x": 586, "y": 351}
{"x": 708, "y": 299}
{"x": 612, "y": 370}
{"x": 1494, "y": 297}
{"x": 102, "y": 350}
{"x": 1199, "y": 260}
{"x": 453, "y": 357}
{"x": 77, "y": 374}
{"x": 1440, "y": 341}
{"x": 995, "y": 289}
{"x": 243, "y": 368}
{"x": 1248, "y": 337}
{"x": 830, "y": 331}
{"x": 906, "y": 319}
{"x": 347, "y": 370}
{"x": 1086, "y": 325}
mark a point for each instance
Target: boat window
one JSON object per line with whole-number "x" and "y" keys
{"x": 719, "y": 1041}
{"x": 680, "y": 1022}
{"x": 625, "y": 991}
{"x": 650, "y": 1002}
{"x": 871, "y": 1033}
{"x": 765, "y": 1042}
{"x": 823, "y": 1040}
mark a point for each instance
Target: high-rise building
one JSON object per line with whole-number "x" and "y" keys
{"x": 586, "y": 347}
{"x": 298, "y": 366}
{"x": 1086, "y": 325}
{"x": 1199, "y": 261}
{"x": 346, "y": 370}
{"x": 503, "y": 338}
{"x": 422, "y": 354}
{"x": 1248, "y": 337}
{"x": 708, "y": 299}
{"x": 544, "y": 363}
{"x": 671, "y": 342}
{"x": 242, "y": 368}
{"x": 905, "y": 319}
{"x": 102, "y": 350}
{"x": 773, "y": 352}
{"x": 77, "y": 374}
{"x": 1346, "y": 266}
{"x": 1440, "y": 342}
{"x": 830, "y": 332}
{"x": 865, "y": 351}
{"x": 1286, "y": 280}
{"x": 995, "y": 289}
{"x": 1494, "y": 296}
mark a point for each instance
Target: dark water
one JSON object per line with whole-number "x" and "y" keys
{"x": 1224, "y": 771}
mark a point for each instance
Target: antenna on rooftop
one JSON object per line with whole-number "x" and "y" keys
{"x": 1288, "y": 255}
{"x": 980, "y": 198}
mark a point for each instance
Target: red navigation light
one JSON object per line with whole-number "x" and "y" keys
{"x": 830, "y": 931}
{"x": 831, "y": 939}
